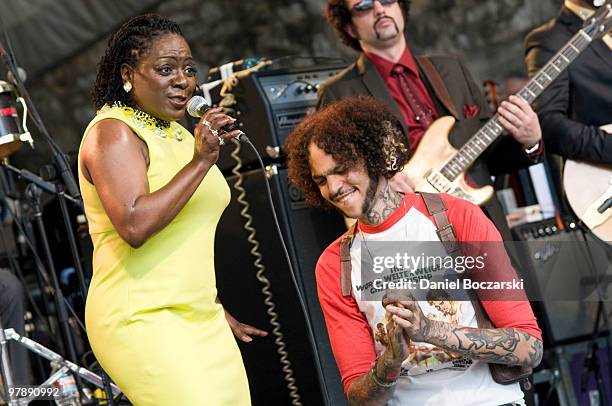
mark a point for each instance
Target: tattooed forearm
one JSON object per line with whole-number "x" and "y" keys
{"x": 536, "y": 352}
{"x": 365, "y": 391}
{"x": 498, "y": 345}
{"x": 376, "y": 387}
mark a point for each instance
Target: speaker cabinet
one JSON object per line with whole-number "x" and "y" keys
{"x": 307, "y": 233}
{"x": 558, "y": 267}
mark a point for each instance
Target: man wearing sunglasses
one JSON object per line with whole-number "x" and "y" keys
{"x": 387, "y": 70}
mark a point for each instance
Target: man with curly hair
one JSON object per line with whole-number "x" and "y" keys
{"x": 343, "y": 156}
{"x": 387, "y": 69}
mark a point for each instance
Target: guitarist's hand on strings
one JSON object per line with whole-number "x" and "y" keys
{"x": 519, "y": 119}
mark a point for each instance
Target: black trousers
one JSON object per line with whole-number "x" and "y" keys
{"x": 12, "y": 308}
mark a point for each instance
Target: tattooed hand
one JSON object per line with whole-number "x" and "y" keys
{"x": 507, "y": 346}
{"x": 407, "y": 314}
{"x": 398, "y": 344}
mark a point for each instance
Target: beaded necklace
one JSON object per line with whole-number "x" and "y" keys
{"x": 140, "y": 119}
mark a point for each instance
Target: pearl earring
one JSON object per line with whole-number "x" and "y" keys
{"x": 127, "y": 86}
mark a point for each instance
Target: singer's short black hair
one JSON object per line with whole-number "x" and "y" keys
{"x": 127, "y": 45}
{"x": 339, "y": 17}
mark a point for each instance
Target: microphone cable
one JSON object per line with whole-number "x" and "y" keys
{"x": 309, "y": 327}
{"x": 260, "y": 275}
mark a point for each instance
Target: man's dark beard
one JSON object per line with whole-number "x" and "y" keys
{"x": 370, "y": 196}
{"x": 376, "y": 23}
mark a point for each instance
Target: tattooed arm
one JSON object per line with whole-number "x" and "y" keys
{"x": 507, "y": 346}
{"x": 377, "y": 390}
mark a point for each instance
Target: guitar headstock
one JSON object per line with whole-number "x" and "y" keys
{"x": 601, "y": 22}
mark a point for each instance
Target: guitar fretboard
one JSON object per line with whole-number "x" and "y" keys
{"x": 480, "y": 141}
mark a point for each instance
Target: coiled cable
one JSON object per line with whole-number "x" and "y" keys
{"x": 260, "y": 275}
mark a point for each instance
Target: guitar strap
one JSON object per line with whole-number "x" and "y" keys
{"x": 437, "y": 83}
{"x": 502, "y": 374}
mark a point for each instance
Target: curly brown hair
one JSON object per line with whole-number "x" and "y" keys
{"x": 339, "y": 16}
{"x": 352, "y": 130}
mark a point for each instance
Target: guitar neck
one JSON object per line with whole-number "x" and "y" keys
{"x": 480, "y": 141}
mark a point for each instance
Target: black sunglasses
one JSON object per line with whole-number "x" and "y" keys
{"x": 366, "y": 5}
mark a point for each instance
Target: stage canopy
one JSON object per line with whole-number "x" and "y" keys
{"x": 43, "y": 33}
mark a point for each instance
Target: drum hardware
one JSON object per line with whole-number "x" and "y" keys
{"x": 68, "y": 189}
{"x": 66, "y": 366}
{"x": 12, "y": 133}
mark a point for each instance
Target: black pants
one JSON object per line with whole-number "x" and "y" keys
{"x": 12, "y": 308}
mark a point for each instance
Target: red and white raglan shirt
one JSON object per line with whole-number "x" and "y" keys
{"x": 430, "y": 375}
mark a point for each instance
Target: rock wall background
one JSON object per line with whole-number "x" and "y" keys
{"x": 488, "y": 33}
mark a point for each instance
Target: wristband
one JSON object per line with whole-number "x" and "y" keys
{"x": 532, "y": 149}
{"x": 377, "y": 380}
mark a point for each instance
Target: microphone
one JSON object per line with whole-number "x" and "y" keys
{"x": 197, "y": 107}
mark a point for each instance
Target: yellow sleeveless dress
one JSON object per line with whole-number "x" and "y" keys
{"x": 151, "y": 315}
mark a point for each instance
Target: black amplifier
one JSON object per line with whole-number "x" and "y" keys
{"x": 269, "y": 104}
{"x": 559, "y": 266}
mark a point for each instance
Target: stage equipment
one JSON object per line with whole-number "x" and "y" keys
{"x": 268, "y": 104}
{"x": 561, "y": 260}
{"x": 307, "y": 232}
{"x": 68, "y": 190}
{"x": 558, "y": 264}
{"x": 437, "y": 166}
{"x": 65, "y": 367}
{"x": 12, "y": 133}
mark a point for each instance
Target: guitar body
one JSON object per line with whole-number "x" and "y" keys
{"x": 432, "y": 153}
{"x": 587, "y": 186}
{"x": 437, "y": 166}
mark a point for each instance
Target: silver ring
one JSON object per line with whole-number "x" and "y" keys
{"x": 212, "y": 130}
{"x": 221, "y": 140}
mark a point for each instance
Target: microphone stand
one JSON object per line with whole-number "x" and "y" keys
{"x": 57, "y": 190}
{"x": 33, "y": 192}
{"x": 5, "y": 370}
{"x": 73, "y": 195}
{"x": 591, "y": 362}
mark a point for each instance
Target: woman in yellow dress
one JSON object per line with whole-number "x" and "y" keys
{"x": 153, "y": 197}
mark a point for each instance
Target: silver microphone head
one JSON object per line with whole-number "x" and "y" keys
{"x": 196, "y": 106}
